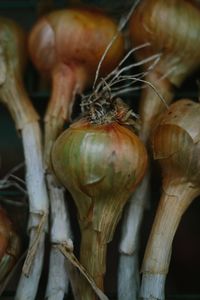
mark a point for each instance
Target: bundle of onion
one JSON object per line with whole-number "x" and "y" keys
{"x": 67, "y": 46}
{"x": 14, "y": 96}
{"x": 176, "y": 145}
{"x": 100, "y": 161}
{"x": 9, "y": 245}
{"x": 172, "y": 30}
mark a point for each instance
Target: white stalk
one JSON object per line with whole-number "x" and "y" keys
{"x": 28, "y": 286}
{"x": 58, "y": 280}
{"x": 38, "y": 208}
{"x": 128, "y": 273}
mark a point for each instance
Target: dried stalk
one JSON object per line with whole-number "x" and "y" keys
{"x": 14, "y": 96}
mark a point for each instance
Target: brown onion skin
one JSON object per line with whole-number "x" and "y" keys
{"x": 176, "y": 142}
{"x": 14, "y": 43}
{"x": 100, "y": 165}
{"x": 10, "y": 245}
{"x": 5, "y": 228}
{"x": 172, "y": 29}
{"x": 75, "y": 37}
{"x": 176, "y": 146}
{"x": 67, "y": 46}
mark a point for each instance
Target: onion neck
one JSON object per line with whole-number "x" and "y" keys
{"x": 14, "y": 96}
{"x": 93, "y": 258}
{"x": 176, "y": 197}
{"x": 97, "y": 222}
{"x": 151, "y": 105}
{"x": 66, "y": 82}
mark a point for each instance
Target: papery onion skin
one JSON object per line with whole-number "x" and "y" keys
{"x": 180, "y": 151}
{"x": 99, "y": 159}
{"x": 172, "y": 30}
{"x": 12, "y": 64}
{"x": 176, "y": 38}
{"x": 5, "y": 227}
{"x": 67, "y": 45}
{"x": 176, "y": 146}
{"x": 75, "y": 37}
{"x": 10, "y": 245}
{"x": 100, "y": 165}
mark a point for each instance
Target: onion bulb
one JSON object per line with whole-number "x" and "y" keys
{"x": 10, "y": 245}
{"x": 176, "y": 146}
{"x": 67, "y": 46}
{"x": 169, "y": 29}
{"x": 100, "y": 162}
{"x": 172, "y": 29}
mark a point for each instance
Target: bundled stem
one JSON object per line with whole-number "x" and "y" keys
{"x": 14, "y": 96}
{"x": 105, "y": 161}
{"x": 172, "y": 29}
{"x": 176, "y": 145}
{"x": 68, "y": 45}
{"x": 175, "y": 200}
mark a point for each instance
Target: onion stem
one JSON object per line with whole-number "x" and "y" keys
{"x": 128, "y": 273}
{"x": 91, "y": 246}
{"x": 59, "y": 109}
{"x": 57, "y": 284}
{"x": 151, "y": 103}
{"x": 26, "y": 120}
{"x": 176, "y": 198}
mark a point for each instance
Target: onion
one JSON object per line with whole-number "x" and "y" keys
{"x": 14, "y": 96}
{"x": 67, "y": 46}
{"x": 10, "y": 245}
{"x": 5, "y": 227}
{"x": 100, "y": 162}
{"x": 171, "y": 28}
{"x": 176, "y": 146}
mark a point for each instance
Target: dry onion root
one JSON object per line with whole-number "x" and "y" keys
{"x": 172, "y": 30}
{"x": 100, "y": 162}
{"x": 67, "y": 46}
{"x": 176, "y": 146}
{"x": 14, "y": 96}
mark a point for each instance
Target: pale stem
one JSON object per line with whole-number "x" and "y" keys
{"x": 60, "y": 233}
{"x": 28, "y": 286}
{"x": 26, "y": 119}
{"x": 93, "y": 258}
{"x": 150, "y": 107}
{"x": 58, "y": 112}
{"x": 128, "y": 277}
{"x": 174, "y": 201}
{"x": 128, "y": 272}
{"x": 38, "y": 207}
